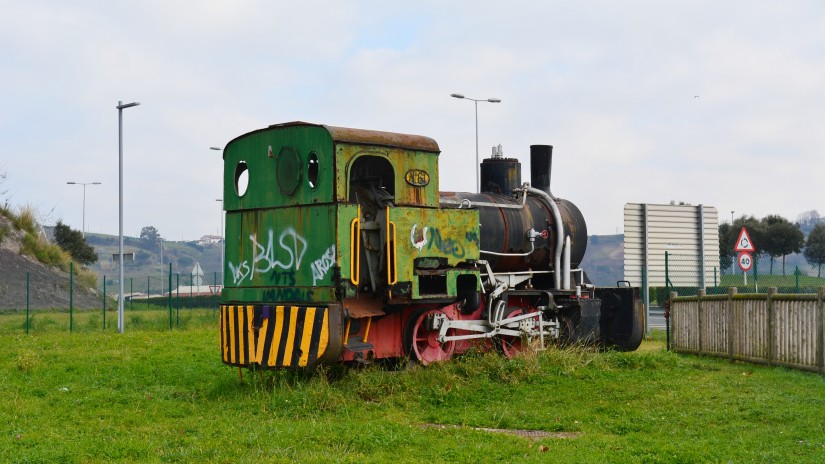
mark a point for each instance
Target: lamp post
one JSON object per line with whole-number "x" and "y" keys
{"x": 475, "y": 101}
{"x": 120, "y": 107}
{"x": 731, "y": 217}
{"x": 84, "y": 184}
{"x": 223, "y": 241}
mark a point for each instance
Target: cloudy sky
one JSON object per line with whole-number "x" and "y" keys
{"x": 718, "y": 103}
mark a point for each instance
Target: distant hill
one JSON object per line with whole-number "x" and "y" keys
{"x": 182, "y": 255}
{"x": 604, "y": 259}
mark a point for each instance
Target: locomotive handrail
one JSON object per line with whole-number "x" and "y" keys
{"x": 355, "y": 258}
{"x": 531, "y": 235}
{"x": 392, "y": 252}
{"x": 471, "y": 203}
{"x": 551, "y": 201}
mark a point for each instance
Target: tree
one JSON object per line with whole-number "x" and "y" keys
{"x": 185, "y": 261}
{"x": 149, "y": 237}
{"x": 782, "y": 238}
{"x": 729, "y": 233}
{"x": 72, "y": 242}
{"x": 808, "y": 220}
{"x": 143, "y": 257}
{"x": 815, "y": 248}
{"x": 726, "y": 245}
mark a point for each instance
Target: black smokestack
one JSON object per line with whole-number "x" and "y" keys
{"x": 541, "y": 165}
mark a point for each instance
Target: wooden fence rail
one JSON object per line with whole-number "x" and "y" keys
{"x": 776, "y": 329}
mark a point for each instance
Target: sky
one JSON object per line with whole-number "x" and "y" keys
{"x": 705, "y": 102}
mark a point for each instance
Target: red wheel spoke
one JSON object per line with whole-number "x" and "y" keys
{"x": 425, "y": 345}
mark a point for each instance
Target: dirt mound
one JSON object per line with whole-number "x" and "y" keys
{"x": 48, "y": 287}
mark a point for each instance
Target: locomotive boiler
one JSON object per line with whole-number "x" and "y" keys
{"x": 340, "y": 248}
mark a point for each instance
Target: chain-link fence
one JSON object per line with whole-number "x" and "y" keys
{"x": 687, "y": 274}
{"x": 37, "y": 300}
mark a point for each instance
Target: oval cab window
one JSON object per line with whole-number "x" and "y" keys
{"x": 241, "y": 178}
{"x": 312, "y": 170}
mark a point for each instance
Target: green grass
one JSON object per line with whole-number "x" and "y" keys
{"x": 160, "y": 396}
{"x": 786, "y": 282}
{"x": 85, "y": 321}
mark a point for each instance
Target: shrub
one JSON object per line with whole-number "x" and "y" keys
{"x": 26, "y": 220}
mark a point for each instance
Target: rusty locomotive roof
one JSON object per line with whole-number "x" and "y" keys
{"x": 369, "y": 137}
{"x": 392, "y": 139}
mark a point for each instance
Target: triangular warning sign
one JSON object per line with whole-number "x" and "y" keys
{"x": 744, "y": 243}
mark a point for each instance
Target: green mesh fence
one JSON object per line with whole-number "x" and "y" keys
{"x": 38, "y": 302}
{"x": 687, "y": 274}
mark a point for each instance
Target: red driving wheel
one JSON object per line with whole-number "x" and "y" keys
{"x": 512, "y": 346}
{"x": 420, "y": 343}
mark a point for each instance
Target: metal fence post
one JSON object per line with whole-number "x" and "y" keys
{"x": 755, "y": 274}
{"x": 131, "y": 292}
{"x": 820, "y": 330}
{"x": 796, "y": 273}
{"x": 177, "y": 293}
{"x": 104, "y": 303}
{"x": 771, "y": 323}
{"x": 170, "y": 296}
{"x": 71, "y": 295}
{"x": 731, "y": 293}
{"x": 27, "y": 302}
{"x": 148, "y": 287}
{"x": 699, "y": 319}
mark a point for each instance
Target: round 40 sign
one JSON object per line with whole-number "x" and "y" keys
{"x": 745, "y": 261}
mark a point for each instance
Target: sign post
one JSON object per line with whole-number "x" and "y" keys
{"x": 744, "y": 246}
{"x": 745, "y": 261}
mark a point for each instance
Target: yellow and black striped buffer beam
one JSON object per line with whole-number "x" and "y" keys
{"x": 273, "y": 336}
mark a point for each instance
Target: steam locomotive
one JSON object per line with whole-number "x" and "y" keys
{"x": 340, "y": 248}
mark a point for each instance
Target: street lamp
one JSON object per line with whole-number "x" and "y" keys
{"x": 84, "y": 184}
{"x": 223, "y": 241}
{"x": 120, "y": 107}
{"x": 475, "y": 101}
{"x": 731, "y": 218}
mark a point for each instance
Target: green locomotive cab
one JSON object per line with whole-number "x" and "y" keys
{"x": 326, "y": 226}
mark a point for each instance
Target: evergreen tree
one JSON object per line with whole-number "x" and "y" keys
{"x": 149, "y": 238}
{"x": 815, "y": 248}
{"x": 72, "y": 242}
{"x": 781, "y": 238}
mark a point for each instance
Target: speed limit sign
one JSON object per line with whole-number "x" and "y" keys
{"x": 745, "y": 261}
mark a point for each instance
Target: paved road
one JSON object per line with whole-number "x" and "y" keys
{"x": 657, "y": 317}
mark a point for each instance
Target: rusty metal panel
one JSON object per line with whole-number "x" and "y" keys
{"x": 434, "y": 233}
{"x": 410, "y": 171}
{"x": 346, "y": 246}
{"x": 383, "y": 139}
{"x": 281, "y": 249}
{"x": 279, "y": 164}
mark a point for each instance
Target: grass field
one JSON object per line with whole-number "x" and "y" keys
{"x": 786, "y": 282}
{"x": 160, "y": 396}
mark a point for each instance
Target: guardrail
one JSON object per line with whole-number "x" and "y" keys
{"x": 775, "y": 329}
